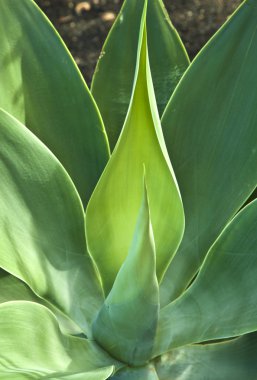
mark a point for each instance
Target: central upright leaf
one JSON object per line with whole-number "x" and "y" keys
{"x": 127, "y": 321}
{"x": 116, "y": 65}
{"x": 112, "y": 210}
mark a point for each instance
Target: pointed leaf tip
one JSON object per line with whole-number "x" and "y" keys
{"x": 126, "y": 324}
{"x": 113, "y": 208}
{"x": 168, "y": 61}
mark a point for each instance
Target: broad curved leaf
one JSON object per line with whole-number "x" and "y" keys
{"x": 210, "y": 130}
{"x": 13, "y": 289}
{"x": 32, "y": 342}
{"x": 117, "y": 63}
{"x": 222, "y": 301}
{"x": 22, "y": 376}
{"x": 41, "y": 86}
{"x": 143, "y": 373}
{"x": 127, "y": 322}
{"x": 42, "y": 238}
{"x": 235, "y": 359}
{"x": 113, "y": 208}
{"x": 97, "y": 374}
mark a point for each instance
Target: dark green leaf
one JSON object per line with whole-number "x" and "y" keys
{"x": 167, "y": 55}
{"x": 143, "y": 373}
{"x": 222, "y": 301}
{"x": 42, "y": 236}
{"x": 113, "y": 79}
{"x": 235, "y": 359}
{"x": 210, "y": 131}
{"x": 41, "y": 86}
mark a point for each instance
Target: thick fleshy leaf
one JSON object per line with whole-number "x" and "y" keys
{"x": 113, "y": 208}
{"x": 42, "y": 238}
{"x": 222, "y": 301}
{"x": 41, "y": 86}
{"x": 167, "y": 55}
{"x": 235, "y": 359}
{"x": 143, "y": 373}
{"x": 32, "y": 342}
{"x": 98, "y": 374}
{"x": 116, "y": 69}
{"x": 127, "y": 322}
{"x": 210, "y": 131}
{"x": 13, "y": 289}
{"x": 22, "y": 376}
{"x": 168, "y": 61}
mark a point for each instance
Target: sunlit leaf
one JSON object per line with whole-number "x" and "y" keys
{"x": 112, "y": 211}
{"x": 97, "y": 374}
{"x": 22, "y": 376}
{"x": 13, "y": 289}
{"x": 127, "y": 322}
{"x": 32, "y": 342}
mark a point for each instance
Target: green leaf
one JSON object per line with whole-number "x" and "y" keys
{"x": 13, "y": 289}
{"x": 167, "y": 55}
{"x": 32, "y": 342}
{"x": 42, "y": 238}
{"x": 235, "y": 359}
{"x": 168, "y": 61}
{"x": 222, "y": 301}
{"x": 116, "y": 68}
{"x": 143, "y": 373}
{"x": 127, "y": 322}
{"x": 98, "y": 374}
{"x": 22, "y": 376}
{"x": 41, "y": 86}
{"x": 113, "y": 208}
{"x": 210, "y": 131}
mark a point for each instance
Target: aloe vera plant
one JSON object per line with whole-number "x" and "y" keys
{"x": 124, "y": 247}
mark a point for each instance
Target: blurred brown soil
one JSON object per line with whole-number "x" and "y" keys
{"x": 84, "y": 24}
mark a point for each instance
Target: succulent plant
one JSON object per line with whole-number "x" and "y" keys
{"x": 126, "y": 248}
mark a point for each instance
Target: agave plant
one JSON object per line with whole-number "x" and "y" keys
{"x": 124, "y": 247}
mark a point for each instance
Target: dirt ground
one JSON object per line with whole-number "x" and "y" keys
{"x": 84, "y": 24}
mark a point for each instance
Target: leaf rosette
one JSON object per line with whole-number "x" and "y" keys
{"x": 125, "y": 249}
